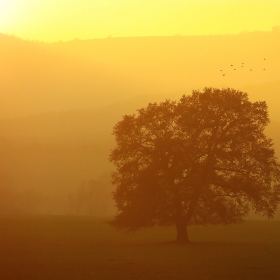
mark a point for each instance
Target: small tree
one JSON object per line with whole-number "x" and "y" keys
{"x": 202, "y": 160}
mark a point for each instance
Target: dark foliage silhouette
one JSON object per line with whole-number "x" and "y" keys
{"x": 202, "y": 160}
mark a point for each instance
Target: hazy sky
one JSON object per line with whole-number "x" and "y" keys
{"x": 52, "y": 20}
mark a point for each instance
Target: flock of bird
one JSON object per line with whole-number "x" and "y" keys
{"x": 242, "y": 66}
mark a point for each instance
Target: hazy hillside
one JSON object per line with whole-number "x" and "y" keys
{"x": 39, "y": 77}
{"x": 35, "y": 78}
{"x": 60, "y": 101}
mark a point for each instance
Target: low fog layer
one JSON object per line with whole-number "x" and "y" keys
{"x": 60, "y": 101}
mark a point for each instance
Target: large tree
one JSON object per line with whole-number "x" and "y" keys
{"x": 201, "y": 160}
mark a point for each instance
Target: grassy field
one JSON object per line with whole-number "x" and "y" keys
{"x": 87, "y": 248}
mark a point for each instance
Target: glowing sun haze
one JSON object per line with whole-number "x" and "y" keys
{"x": 52, "y": 20}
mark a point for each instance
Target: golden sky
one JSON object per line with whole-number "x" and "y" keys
{"x": 53, "y": 20}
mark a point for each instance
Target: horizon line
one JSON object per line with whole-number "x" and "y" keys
{"x": 135, "y": 36}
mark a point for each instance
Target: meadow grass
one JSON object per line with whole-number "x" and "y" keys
{"x": 63, "y": 247}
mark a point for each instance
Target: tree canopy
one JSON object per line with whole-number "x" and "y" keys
{"x": 204, "y": 159}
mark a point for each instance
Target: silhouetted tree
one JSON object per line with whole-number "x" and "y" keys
{"x": 202, "y": 160}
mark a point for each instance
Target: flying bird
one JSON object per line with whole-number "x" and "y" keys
{"x": 242, "y": 65}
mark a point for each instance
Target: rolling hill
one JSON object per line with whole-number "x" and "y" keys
{"x": 60, "y": 101}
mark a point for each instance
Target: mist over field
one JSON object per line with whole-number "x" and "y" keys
{"x": 59, "y": 103}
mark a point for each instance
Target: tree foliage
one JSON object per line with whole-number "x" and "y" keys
{"x": 204, "y": 159}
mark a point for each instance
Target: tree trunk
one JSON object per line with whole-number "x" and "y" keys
{"x": 182, "y": 234}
